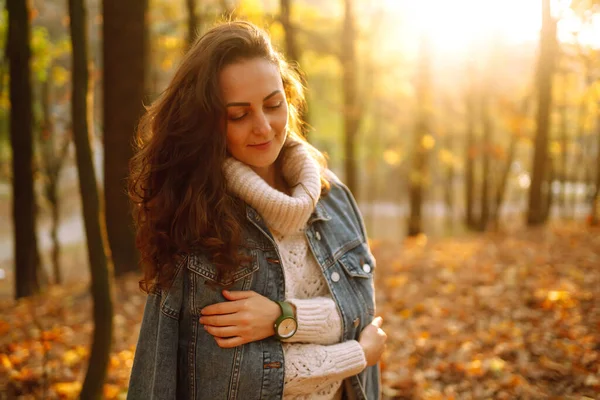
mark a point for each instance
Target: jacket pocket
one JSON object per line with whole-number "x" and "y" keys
{"x": 359, "y": 265}
{"x": 206, "y": 284}
{"x": 200, "y": 265}
{"x": 358, "y": 262}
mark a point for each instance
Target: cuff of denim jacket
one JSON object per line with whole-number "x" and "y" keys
{"x": 349, "y": 357}
{"x": 314, "y": 317}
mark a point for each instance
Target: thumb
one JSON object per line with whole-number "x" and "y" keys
{"x": 237, "y": 295}
{"x": 377, "y": 322}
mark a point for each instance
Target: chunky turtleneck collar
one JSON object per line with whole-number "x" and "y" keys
{"x": 283, "y": 213}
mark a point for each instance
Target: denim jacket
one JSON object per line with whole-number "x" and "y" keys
{"x": 177, "y": 359}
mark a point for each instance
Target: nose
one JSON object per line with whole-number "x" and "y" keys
{"x": 261, "y": 124}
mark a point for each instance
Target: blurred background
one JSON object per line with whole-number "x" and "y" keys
{"x": 464, "y": 123}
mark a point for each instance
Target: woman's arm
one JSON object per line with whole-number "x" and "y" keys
{"x": 318, "y": 319}
{"x": 249, "y": 316}
{"x": 310, "y": 368}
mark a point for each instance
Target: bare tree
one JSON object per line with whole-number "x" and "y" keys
{"x": 193, "y": 21}
{"x": 486, "y": 184}
{"x": 352, "y": 114}
{"x": 470, "y": 147}
{"x": 100, "y": 263}
{"x": 536, "y": 212}
{"x": 418, "y": 173}
{"x": 21, "y": 137}
{"x": 124, "y": 48}
{"x": 293, "y": 53}
{"x": 595, "y": 199}
{"x": 53, "y": 157}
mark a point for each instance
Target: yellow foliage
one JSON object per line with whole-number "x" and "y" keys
{"x": 111, "y": 391}
{"x": 320, "y": 64}
{"x": 71, "y": 357}
{"x": 497, "y": 364}
{"x": 6, "y": 361}
{"x": 67, "y": 389}
{"x": 59, "y": 75}
{"x": 396, "y": 281}
{"x": 446, "y": 157}
{"x": 170, "y": 42}
{"x": 276, "y": 32}
{"x": 392, "y": 157}
{"x": 166, "y": 64}
{"x": 428, "y": 142}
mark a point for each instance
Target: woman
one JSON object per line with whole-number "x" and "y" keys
{"x": 255, "y": 255}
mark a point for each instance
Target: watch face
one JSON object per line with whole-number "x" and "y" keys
{"x": 286, "y": 328}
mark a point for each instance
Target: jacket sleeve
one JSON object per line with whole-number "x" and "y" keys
{"x": 154, "y": 371}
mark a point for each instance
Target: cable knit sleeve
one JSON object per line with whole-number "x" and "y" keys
{"x": 318, "y": 321}
{"x": 311, "y": 368}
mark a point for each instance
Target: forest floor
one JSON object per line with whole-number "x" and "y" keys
{"x": 495, "y": 316}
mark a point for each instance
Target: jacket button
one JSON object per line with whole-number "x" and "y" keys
{"x": 335, "y": 277}
{"x": 318, "y": 235}
{"x": 367, "y": 268}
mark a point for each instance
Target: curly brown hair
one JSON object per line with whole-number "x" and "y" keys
{"x": 176, "y": 183}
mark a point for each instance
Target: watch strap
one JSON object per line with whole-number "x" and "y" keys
{"x": 286, "y": 310}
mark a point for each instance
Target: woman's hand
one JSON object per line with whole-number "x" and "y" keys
{"x": 246, "y": 317}
{"x": 372, "y": 339}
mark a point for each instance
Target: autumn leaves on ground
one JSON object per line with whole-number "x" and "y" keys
{"x": 498, "y": 316}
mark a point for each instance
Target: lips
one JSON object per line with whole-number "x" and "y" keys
{"x": 260, "y": 146}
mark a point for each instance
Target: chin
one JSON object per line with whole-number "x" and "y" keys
{"x": 262, "y": 163}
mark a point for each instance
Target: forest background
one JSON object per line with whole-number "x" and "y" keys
{"x": 447, "y": 120}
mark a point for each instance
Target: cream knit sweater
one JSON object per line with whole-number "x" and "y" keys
{"x": 316, "y": 362}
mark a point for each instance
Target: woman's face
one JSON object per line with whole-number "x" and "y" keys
{"x": 257, "y": 112}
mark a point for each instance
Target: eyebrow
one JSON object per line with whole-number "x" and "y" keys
{"x": 248, "y": 104}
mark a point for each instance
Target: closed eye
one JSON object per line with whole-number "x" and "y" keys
{"x": 272, "y": 107}
{"x": 238, "y": 118}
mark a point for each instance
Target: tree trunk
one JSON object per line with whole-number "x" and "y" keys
{"x": 51, "y": 165}
{"x": 350, "y": 90}
{"x": 512, "y": 151}
{"x": 124, "y": 72}
{"x": 192, "y": 21}
{"x": 470, "y": 154}
{"x": 546, "y": 61}
{"x": 563, "y": 176}
{"x": 449, "y": 185}
{"x": 547, "y": 189}
{"x": 486, "y": 160}
{"x": 293, "y": 55}
{"x": 100, "y": 264}
{"x": 418, "y": 173}
{"x": 594, "y": 218}
{"x": 579, "y": 170}
{"x": 21, "y": 137}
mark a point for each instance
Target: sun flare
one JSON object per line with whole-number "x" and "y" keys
{"x": 452, "y": 26}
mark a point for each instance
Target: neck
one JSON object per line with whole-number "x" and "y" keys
{"x": 273, "y": 176}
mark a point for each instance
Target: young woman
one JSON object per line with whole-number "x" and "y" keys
{"x": 256, "y": 262}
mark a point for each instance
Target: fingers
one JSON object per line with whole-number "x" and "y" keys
{"x": 378, "y": 321}
{"x": 220, "y": 320}
{"x": 226, "y": 307}
{"x": 227, "y": 343}
{"x": 238, "y": 295}
{"x": 223, "y": 331}
{"x": 231, "y": 306}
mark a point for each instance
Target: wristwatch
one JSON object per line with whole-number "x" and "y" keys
{"x": 286, "y": 325}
